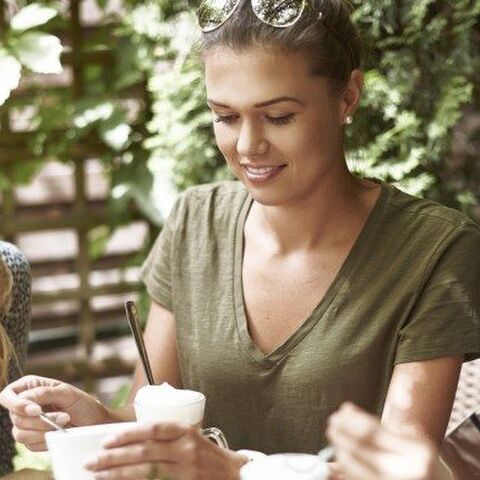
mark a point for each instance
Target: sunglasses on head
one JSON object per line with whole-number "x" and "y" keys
{"x": 276, "y": 13}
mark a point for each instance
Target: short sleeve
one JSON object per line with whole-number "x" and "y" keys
{"x": 445, "y": 318}
{"x": 156, "y": 271}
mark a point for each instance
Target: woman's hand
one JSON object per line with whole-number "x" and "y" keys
{"x": 29, "y": 396}
{"x": 366, "y": 450}
{"x": 164, "y": 450}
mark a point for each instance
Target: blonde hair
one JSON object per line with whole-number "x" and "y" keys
{"x": 6, "y": 350}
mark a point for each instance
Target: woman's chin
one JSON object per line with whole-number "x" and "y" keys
{"x": 269, "y": 191}
{"x": 268, "y": 197}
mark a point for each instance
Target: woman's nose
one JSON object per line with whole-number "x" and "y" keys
{"x": 250, "y": 140}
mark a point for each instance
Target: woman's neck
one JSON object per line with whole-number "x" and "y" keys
{"x": 328, "y": 216}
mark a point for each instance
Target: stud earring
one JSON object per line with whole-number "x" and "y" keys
{"x": 348, "y": 120}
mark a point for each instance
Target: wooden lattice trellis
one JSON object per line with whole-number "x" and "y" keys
{"x": 80, "y": 215}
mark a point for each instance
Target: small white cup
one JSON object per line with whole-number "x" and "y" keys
{"x": 286, "y": 466}
{"x": 163, "y": 403}
{"x": 70, "y": 450}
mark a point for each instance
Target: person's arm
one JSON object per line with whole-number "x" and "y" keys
{"x": 161, "y": 344}
{"x": 420, "y": 398}
{"x": 31, "y": 395}
{"x": 404, "y": 446}
{"x": 65, "y": 404}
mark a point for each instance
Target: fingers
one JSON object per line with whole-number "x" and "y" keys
{"x": 31, "y": 381}
{"x": 353, "y": 427}
{"x": 354, "y": 469}
{"x": 354, "y": 438}
{"x": 37, "y": 424}
{"x": 13, "y": 396}
{"x": 21, "y": 406}
{"x": 28, "y": 437}
{"x": 128, "y": 452}
{"x": 357, "y": 460}
{"x": 37, "y": 447}
{"x": 366, "y": 449}
{"x": 31, "y": 430}
{"x": 134, "y": 454}
{"x": 45, "y": 395}
{"x": 165, "y": 431}
{"x": 139, "y": 471}
{"x": 358, "y": 428}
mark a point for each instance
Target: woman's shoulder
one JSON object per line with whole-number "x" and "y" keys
{"x": 427, "y": 216}
{"x": 220, "y": 191}
{"x": 217, "y": 200}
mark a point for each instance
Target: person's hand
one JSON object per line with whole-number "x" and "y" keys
{"x": 164, "y": 450}
{"x": 366, "y": 450}
{"x": 29, "y": 396}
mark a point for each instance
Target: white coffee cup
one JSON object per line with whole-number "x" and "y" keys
{"x": 70, "y": 450}
{"x": 164, "y": 403}
{"x": 286, "y": 466}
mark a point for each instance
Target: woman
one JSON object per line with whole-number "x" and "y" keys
{"x": 14, "y": 326}
{"x": 300, "y": 286}
{"x": 5, "y": 300}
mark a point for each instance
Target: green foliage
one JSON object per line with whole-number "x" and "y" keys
{"x": 27, "y": 459}
{"x": 181, "y": 132}
{"x": 21, "y": 45}
{"x": 420, "y": 78}
{"x": 121, "y": 397}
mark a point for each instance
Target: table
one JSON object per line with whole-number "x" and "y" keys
{"x": 29, "y": 474}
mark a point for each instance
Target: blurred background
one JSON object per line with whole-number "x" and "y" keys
{"x": 103, "y": 120}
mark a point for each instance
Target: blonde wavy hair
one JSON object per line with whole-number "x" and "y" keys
{"x": 6, "y": 350}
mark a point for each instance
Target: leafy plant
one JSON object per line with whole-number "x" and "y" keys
{"x": 420, "y": 78}
{"x": 22, "y": 45}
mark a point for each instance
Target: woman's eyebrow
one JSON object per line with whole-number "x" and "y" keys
{"x": 261, "y": 104}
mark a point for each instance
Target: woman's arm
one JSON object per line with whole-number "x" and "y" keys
{"x": 415, "y": 416}
{"x": 420, "y": 398}
{"x": 161, "y": 344}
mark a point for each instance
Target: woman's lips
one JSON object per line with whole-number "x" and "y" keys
{"x": 262, "y": 174}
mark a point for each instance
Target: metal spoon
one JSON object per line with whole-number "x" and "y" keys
{"x": 52, "y": 423}
{"x": 132, "y": 316}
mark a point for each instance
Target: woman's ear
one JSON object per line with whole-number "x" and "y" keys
{"x": 351, "y": 95}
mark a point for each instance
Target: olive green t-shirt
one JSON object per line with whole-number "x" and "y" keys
{"x": 408, "y": 291}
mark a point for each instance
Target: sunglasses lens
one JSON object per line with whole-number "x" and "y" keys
{"x": 278, "y": 13}
{"x": 212, "y": 13}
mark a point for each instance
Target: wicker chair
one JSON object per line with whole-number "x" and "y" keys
{"x": 467, "y": 398}
{"x": 17, "y": 325}
{"x": 461, "y": 448}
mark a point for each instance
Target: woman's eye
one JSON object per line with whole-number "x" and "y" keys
{"x": 281, "y": 120}
{"x": 228, "y": 119}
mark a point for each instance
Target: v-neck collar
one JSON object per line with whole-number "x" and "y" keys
{"x": 273, "y": 358}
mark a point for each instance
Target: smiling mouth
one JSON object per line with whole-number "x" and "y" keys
{"x": 261, "y": 174}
